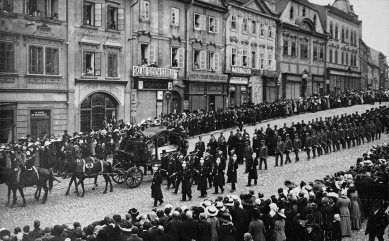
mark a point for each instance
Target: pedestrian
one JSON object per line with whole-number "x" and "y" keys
{"x": 202, "y": 173}
{"x": 248, "y": 150}
{"x": 263, "y": 151}
{"x": 288, "y": 148}
{"x": 171, "y": 171}
{"x": 186, "y": 184}
{"x": 227, "y": 231}
{"x": 257, "y": 227}
{"x": 308, "y": 145}
{"x": 280, "y": 148}
{"x": 252, "y": 169}
{"x": 345, "y": 222}
{"x": 218, "y": 176}
{"x": 156, "y": 191}
{"x": 296, "y": 147}
{"x": 377, "y": 222}
{"x": 205, "y": 228}
{"x": 212, "y": 212}
{"x": 355, "y": 209}
{"x": 232, "y": 175}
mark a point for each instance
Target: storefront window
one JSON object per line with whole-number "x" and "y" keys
{"x": 93, "y": 110}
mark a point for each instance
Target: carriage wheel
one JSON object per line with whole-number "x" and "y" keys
{"x": 119, "y": 175}
{"x": 134, "y": 177}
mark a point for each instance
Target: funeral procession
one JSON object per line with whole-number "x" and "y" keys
{"x": 194, "y": 120}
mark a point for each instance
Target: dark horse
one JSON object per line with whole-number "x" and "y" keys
{"x": 80, "y": 170}
{"x": 27, "y": 178}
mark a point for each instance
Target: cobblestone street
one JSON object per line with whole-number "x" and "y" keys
{"x": 95, "y": 206}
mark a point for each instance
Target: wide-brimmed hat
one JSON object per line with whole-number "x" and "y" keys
{"x": 290, "y": 184}
{"x": 248, "y": 201}
{"x": 219, "y": 205}
{"x": 133, "y": 211}
{"x": 229, "y": 202}
{"x": 282, "y": 213}
{"x": 211, "y": 211}
{"x": 225, "y": 217}
{"x": 206, "y": 203}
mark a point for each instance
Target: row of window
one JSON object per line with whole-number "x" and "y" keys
{"x": 46, "y": 9}
{"x": 241, "y": 58}
{"x": 251, "y": 27}
{"x": 44, "y": 60}
{"x": 92, "y": 16}
{"x": 303, "y": 13}
{"x": 344, "y": 35}
{"x": 333, "y": 57}
{"x": 290, "y": 49}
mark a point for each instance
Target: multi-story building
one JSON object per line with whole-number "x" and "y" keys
{"x": 364, "y": 60}
{"x": 386, "y": 78}
{"x": 375, "y": 69}
{"x": 98, "y": 63}
{"x": 382, "y": 63}
{"x": 250, "y": 52}
{"x": 301, "y": 49}
{"x": 34, "y": 91}
{"x": 205, "y": 83}
{"x": 344, "y": 29}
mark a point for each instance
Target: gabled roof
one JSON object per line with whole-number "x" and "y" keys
{"x": 281, "y": 4}
{"x": 322, "y": 10}
{"x": 261, "y": 3}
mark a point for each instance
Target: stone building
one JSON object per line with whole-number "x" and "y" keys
{"x": 364, "y": 61}
{"x": 98, "y": 63}
{"x": 344, "y": 30}
{"x": 301, "y": 49}
{"x": 34, "y": 90}
{"x": 250, "y": 52}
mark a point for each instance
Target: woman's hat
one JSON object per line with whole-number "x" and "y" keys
{"x": 289, "y": 184}
{"x": 229, "y": 202}
{"x": 282, "y": 213}
{"x": 211, "y": 211}
{"x": 133, "y": 211}
{"x": 225, "y": 217}
{"x": 219, "y": 205}
{"x": 203, "y": 216}
{"x": 206, "y": 203}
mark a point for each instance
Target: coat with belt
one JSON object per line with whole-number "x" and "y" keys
{"x": 232, "y": 170}
{"x": 252, "y": 165}
{"x": 186, "y": 186}
{"x": 263, "y": 151}
{"x": 218, "y": 175}
{"x": 202, "y": 177}
{"x": 288, "y": 145}
{"x": 280, "y": 147}
{"x": 296, "y": 144}
{"x": 156, "y": 191}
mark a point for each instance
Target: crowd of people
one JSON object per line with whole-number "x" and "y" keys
{"x": 324, "y": 209}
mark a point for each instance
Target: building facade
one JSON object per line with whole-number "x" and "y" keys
{"x": 382, "y": 65}
{"x": 98, "y": 63}
{"x": 250, "y": 52}
{"x": 301, "y": 43}
{"x": 344, "y": 30}
{"x": 364, "y": 61}
{"x": 33, "y": 68}
{"x": 205, "y": 83}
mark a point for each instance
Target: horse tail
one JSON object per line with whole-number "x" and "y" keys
{"x": 51, "y": 180}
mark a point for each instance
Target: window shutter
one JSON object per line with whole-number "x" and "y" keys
{"x": 121, "y": 19}
{"x": 203, "y": 59}
{"x": 97, "y": 64}
{"x": 289, "y": 48}
{"x": 239, "y": 57}
{"x": 151, "y": 54}
{"x": 202, "y": 22}
{"x": 84, "y": 12}
{"x": 139, "y": 54}
{"x": 181, "y": 58}
{"x": 98, "y": 14}
{"x": 216, "y": 25}
{"x": 115, "y": 65}
{"x": 83, "y": 62}
{"x": 216, "y": 59}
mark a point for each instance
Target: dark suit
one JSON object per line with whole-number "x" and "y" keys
{"x": 134, "y": 237}
{"x": 189, "y": 230}
{"x": 327, "y": 213}
{"x": 204, "y": 231}
{"x": 241, "y": 221}
{"x": 173, "y": 229}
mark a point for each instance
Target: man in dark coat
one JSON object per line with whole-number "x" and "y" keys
{"x": 296, "y": 146}
{"x": 232, "y": 176}
{"x": 240, "y": 220}
{"x": 202, "y": 172}
{"x": 186, "y": 184}
{"x": 263, "y": 154}
{"x": 200, "y": 145}
{"x": 173, "y": 227}
{"x": 171, "y": 171}
{"x": 161, "y": 235}
{"x": 377, "y": 222}
{"x": 310, "y": 234}
{"x": 205, "y": 228}
{"x": 190, "y": 228}
{"x": 308, "y": 145}
{"x": 252, "y": 169}
{"x": 288, "y": 148}
{"x": 218, "y": 176}
{"x": 327, "y": 213}
{"x": 156, "y": 191}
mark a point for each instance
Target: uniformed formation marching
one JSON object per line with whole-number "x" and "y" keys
{"x": 325, "y": 209}
{"x": 206, "y": 165}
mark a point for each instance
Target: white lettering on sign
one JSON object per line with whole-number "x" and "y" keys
{"x": 240, "y": 70}
{"x": 154, "y": 72}
{"x": 239, "y": 80}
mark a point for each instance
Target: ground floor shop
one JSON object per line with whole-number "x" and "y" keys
{"x": 239, "y": 92}
{"x": 295, "y": 86}
{"x": 256, "y": 89}
{"x": 340, "y": 79}
{"x": 37, "y": 113}
{"x": 319, "y": 85}
{"x": 271, "y": 86}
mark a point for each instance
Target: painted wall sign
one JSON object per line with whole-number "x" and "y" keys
{"x": 240, "y": 70}
{"x": 208, "y": 77}
{"x": 239, "y": 80}
{"x": 154, "y": 72}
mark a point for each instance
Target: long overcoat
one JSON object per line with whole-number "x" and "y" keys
{"x": 156, "y": 191}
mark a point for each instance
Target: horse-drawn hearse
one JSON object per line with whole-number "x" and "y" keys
{"x": 145, "y": 150}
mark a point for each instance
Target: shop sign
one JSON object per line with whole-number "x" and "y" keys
{"x": 208, "y": 77}
{"x": 154, "y": 85}
{"x": 154, "y": 72}
{"x": 40, "y": 113}
{"x": 243, "y": 88}
{"x": 318, "y": 78}
{"x": 232, "y": 88}
{"x": 305, "y": 76}
{"x": 270, "y": 74}
{"x": 344, "y": 73}
{"x": 240, "y": 70}
{"x": 239, "y": 80}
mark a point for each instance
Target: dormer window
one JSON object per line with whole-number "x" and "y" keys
{"x": 314, "y": 20}
{"x": 304, "y": 12}
{"x": 291, "y": 12}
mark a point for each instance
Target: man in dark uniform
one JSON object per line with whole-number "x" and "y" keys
{"x": 262, "y": 154}
{"x": 252, "y": 169}
{"x": 186, "y": 183}
{"x": 280, "y": 148}
{"x": 288, "y": 148}
{"x": 314, "y": 144}
{"x": 324, "y": 141}
{"x": 256, "y": 143}
{"x": 222, "y": 144}
{"x": 200, "y": 145}
{"x": 308, "y": 145}
{"x": 368, "y": 131}
{"x": 171, "y": 171}
{"x": 361, "y": 133}
{"x": 296, "y": 146}
{"x": 377, "y": 222}
{"x": 156, "y": 191}
{"x": 218, "y": 176}
{"x": 342, "y": 136}
{"x": 202, "y": 173}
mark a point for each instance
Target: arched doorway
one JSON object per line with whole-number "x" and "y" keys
{"x": 94, "y": 108}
